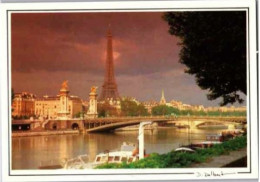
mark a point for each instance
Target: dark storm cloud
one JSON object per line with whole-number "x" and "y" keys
{"x": 48, "y": 48}
{"x": 77, "y": 42}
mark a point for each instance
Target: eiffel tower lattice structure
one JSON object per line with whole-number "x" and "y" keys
{"x": 109, "y": 88}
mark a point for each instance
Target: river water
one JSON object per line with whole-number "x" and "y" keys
{"x": 32, "y": 152}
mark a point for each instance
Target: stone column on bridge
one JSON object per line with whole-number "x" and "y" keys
{"x": 92, "y": 110}
{"x": 64, "y": 101}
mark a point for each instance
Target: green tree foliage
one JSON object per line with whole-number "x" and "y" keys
{"x": 214, "y": 50}
{"x": 105, "y": 110}
{"x": 79, "y": 114}
{"x": 131, "y": 108}
{"x": 163, "y": 110}
{"x": 12, "y": 96}
{"x": 176, "y": 159}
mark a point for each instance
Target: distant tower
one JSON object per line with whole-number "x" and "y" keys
{"x": 162, "y": 101}
{"x": 64, "y": 101}
{"x": 109, "y": 88}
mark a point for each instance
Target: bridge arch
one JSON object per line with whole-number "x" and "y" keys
{"x": 54, "y": 126}
{"x": 197, "y": 122}
{"x": 75, "y": 126}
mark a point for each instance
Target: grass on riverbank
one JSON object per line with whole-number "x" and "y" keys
{"x": 178, "y": 160}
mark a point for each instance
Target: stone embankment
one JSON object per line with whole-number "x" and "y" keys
{"x": 43, "y": 133}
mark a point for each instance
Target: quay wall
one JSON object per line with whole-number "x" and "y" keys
{"x": 43, "y": 133}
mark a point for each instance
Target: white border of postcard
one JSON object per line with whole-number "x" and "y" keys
{"x": 134, "y": 174}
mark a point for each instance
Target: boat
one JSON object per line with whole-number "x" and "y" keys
{"x": 210, "y": 125}
{"x": 128, "y": 153}
{"x": 79, "y": 162}
{"x": 230, "y": 134}
{"x": 185, "y": 149}
{"x": 214, "y": 137}
{"x": 211, "y": 140}
{"x": 204, "y": 144}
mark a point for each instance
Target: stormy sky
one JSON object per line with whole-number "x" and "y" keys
{"x": 48, "y": 48}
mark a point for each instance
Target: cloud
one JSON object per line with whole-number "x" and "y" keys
{"x": 48, "y": 48}
{"x": 77, "y": 42}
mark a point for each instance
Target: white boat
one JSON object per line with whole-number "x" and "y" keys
{"x": 79, "y": 162}
{"x": 127, "y": 153}
{"x": 184, "y": 149}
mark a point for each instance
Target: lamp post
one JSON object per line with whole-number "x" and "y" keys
{"x": 189, "y": 128}
{"x": 141, "y": 138}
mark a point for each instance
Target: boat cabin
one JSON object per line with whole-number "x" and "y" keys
{"x": 214, "y": 137}
{"x": 126, "y": 154}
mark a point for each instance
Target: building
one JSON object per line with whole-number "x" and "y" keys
{"x": 176, "y": 104}
{"x": 62, "y": 106}
{"x": 197, "y": 108}
{"x": 109, "y": 88}
{"x": 23, "y": 104}
{"x": 149, "y": 105}
{"x": 163, "y": 100}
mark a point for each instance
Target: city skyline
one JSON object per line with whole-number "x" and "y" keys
{"x": 73, "y": 48}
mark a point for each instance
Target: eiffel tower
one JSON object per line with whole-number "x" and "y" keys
{"x": 109, "y": 88}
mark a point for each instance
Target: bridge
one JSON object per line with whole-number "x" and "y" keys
{"x": 111, "y": 123}
{"x": 194, "y": 121}
{"x": 123, "y": 123}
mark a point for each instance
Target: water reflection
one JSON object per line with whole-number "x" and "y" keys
{"x": 31, "y": 152}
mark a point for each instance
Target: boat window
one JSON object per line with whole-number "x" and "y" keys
{"x": 124, "y": 159}
{"x": 103, "y": 158}
{"x": 117, "y": 158}
{"x": 98, "y": 159}
{"x": 127, "y": 148}
{"x": 110, "y": 158}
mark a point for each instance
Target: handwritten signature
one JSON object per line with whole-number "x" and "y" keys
{"x": 212, "y": 174}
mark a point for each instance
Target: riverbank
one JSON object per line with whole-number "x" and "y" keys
{"x": 175, "y": 159}
{"x": 43, "y": 133}
{"x": 225, "y": 160}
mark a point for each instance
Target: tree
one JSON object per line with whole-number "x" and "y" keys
{"x": 164, "y": 110}
{"x": 105, "y": 109}
{"x": 141, "y": 110}
{"x": 131, "y": 108}
{"x": 214, "y": 50}
{"x": 12, "y": 94}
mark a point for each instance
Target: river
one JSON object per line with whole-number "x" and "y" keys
{"x": 32, "y": 152}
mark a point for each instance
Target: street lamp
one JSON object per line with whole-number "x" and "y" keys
{"x": 141, "y": 138}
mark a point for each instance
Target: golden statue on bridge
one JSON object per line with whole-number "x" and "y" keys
{"x": 93, "y": 89}
{"x": 64, "y": 85}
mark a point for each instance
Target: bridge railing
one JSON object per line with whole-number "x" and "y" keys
{"x": 131, "y": 117}
{"x": 166, "y": 117}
